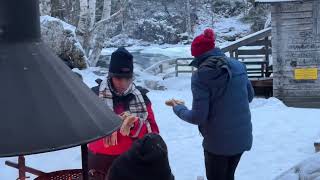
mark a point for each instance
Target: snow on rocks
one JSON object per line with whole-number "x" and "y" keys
{"x": 61, "y": 38}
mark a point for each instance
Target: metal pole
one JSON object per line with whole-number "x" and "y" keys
{"x": 21, "y": 167}
{"x": 84, "y": 154}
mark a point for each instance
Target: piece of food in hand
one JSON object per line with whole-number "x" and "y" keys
{"x": 174, "y": 102}
{"x": 127, "y": 124}
{"x": 171, "y": 102}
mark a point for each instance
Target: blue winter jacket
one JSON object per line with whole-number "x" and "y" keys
{"x": 221, "y": 96}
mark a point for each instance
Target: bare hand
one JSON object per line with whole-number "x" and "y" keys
{"x": 124, "y": 115}
{"x": 111, "y": 140}
{"x": 179, "y": 102}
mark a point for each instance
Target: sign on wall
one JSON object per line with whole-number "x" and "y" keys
{"x": 306, "y": 74}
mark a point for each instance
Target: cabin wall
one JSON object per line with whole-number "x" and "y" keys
{"x": 296, "y": 45}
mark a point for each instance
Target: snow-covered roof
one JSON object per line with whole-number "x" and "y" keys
{"x": 276, "y": 1}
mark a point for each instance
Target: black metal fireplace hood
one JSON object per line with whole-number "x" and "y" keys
{"x": 43, "y": 105}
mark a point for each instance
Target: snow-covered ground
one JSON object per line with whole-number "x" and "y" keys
{"x": 308, "y": 169}
{"x": 283, "y": 137}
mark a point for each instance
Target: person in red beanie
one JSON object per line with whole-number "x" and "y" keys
{"x": 221, "y": 95}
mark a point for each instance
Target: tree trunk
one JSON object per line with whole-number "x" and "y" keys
{"x": 82, "y": 27}
{"x": 90, "y": 20}
{"x": 98, "y": 46}
{"x": 100, "y": 36}
{"x": 105, "y": 28}
{"x": 75, "y": 12}
{"x": 45, "y": 7}
{"x": 106, "y": 9}
{"x": 212, "y": 13}
{"x": 67, "y": 12}
{"x": 57, "y": 9}
{"x": 188, "y": 18}
{"x": 92, "y": 13}
{"x": 122, "y": 18}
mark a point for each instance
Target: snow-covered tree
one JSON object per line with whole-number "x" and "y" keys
{"x": 104, "y": 28}
{"x": 45, "y": 7}
{"x": 106, "y": 12}
{"x": 92, "y": 13}
{"x": 188, "y": 17}
{"x": 57, "y": 9}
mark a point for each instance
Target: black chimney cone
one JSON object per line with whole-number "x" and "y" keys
{"x": 44, "y": 106}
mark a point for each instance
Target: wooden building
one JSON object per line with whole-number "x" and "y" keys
{"x": 296, "y": 51}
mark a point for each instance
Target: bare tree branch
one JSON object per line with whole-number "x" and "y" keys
{"x": 106, "y": 21}
{"x": 111, "y": 18}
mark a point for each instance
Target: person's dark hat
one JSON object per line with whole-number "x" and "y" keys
{"x": 121, "y": 64}
{"x": 147, "y": 159}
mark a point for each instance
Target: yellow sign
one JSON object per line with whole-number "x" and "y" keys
{"x": 306, "y": 74}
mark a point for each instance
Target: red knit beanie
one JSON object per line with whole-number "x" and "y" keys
{"x": 203, "y": 43}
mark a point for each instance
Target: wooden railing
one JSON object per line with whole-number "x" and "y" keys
{"x": 253, "y": 50}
